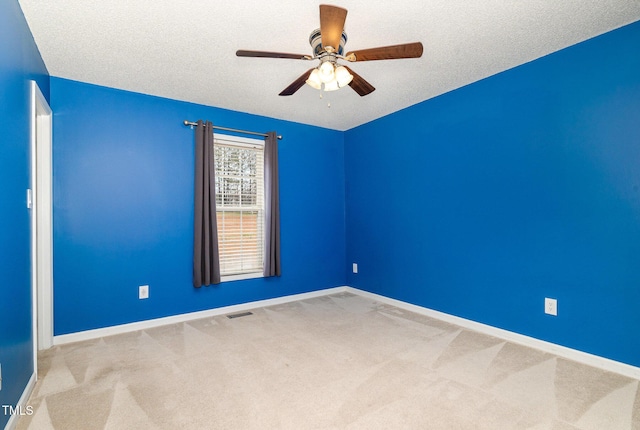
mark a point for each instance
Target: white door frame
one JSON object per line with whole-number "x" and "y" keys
{"x": 41, "y": 222}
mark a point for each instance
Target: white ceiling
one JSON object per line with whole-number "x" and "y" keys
{"x": 185, "y": 49}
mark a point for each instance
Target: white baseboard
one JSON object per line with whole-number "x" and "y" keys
{"x": 552, "y": 348}
{"x": 22, "y": 403}
{"x": 143, "y": 325}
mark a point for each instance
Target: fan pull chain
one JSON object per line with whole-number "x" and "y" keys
{"x": 328, "y": 103}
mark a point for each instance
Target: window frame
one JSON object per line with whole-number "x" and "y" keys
{"x": 249, "y": 143}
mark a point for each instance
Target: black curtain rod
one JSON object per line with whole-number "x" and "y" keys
{"x": 193, "y": 124}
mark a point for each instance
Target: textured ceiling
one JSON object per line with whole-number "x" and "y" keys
{"x": 185, "y": 49}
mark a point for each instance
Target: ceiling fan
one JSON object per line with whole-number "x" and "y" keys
{"x": 328, "y": 43}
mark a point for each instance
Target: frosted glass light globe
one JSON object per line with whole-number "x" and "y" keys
{"x": 343, "y": 76}
{"x": 327, "y": 72}
{"x": 314, "y": 79}
{"x": 331, "y": 85}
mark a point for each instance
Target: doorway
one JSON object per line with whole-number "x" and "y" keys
{"x": 40, "y": 202}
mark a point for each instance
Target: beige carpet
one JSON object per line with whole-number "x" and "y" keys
{"x": 334, "y": 362}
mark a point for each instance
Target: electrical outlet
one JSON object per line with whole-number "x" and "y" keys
{"x": 143, "y": 292}
{"x": 355, "y": 267}
{"x": 550, "y": 306}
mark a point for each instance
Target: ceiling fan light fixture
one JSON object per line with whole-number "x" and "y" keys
{"x": 328, "y": 43}
{"x": 314, "y": 79}
{"x": 343, "y": 77}
{"x": 326, "y": 72}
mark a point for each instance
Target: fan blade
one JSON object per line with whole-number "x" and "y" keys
{"x": 297, "y": 84}
{"x": 359, "y": 85}
{"x": 332, "y": 20}
{"x": 267, "y": 54}
{"x": 408, "y": 50}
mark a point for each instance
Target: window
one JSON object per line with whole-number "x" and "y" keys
{"x": 239, "y": 165}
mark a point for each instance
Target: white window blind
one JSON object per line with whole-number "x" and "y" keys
{"x": 239, "y": 164}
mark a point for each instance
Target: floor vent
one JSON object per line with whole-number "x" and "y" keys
{"x": 238, "y": 315}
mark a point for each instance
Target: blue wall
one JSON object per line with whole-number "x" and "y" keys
{"x": 483, "y": 201}
{"x": 123, "y": 215}
{"x": 20, "y": 62}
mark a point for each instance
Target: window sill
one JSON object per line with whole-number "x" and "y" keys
{"x": 241, "y": 277}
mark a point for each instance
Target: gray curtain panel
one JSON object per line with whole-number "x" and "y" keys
{"x": 206, "y": 259}
{"x": 272, "y": 206}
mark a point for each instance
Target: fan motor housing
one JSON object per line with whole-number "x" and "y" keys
{"x": 315, "y": 40}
